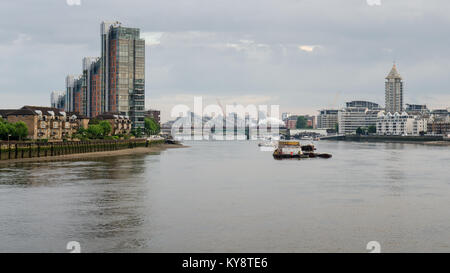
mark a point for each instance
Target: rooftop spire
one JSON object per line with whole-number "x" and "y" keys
{"x": 394, "y": 73}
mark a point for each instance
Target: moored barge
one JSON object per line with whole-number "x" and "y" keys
{"x": 293, "y": 149}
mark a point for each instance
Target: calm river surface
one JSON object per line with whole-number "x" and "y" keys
{"x": 231, "y": 197}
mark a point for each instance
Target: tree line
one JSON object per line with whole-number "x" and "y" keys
{"x": 102, "y": 130}
{"x": 96, "y": 130}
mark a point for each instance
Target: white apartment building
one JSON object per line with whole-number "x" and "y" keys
{"x": 351, "y": 118}
{"x": 392, "y": 124}
{"x": 400, "y": 124}
{"x": 415, "y": 126}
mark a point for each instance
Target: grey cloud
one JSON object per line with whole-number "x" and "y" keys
{"x": 237, "y": 48}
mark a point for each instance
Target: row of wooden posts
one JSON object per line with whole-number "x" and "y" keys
{"x": 18, "y": 150}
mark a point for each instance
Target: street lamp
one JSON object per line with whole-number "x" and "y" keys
{"x": 9, "y": 148}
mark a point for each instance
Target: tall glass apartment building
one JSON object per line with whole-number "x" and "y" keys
{"x": 124, "y": 55}
{"x": 115, "y": 82}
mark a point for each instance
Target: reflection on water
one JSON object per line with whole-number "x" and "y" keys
{"x": 230, "y": 196}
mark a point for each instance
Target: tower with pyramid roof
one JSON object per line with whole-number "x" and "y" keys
{"x": 394, "y": 91}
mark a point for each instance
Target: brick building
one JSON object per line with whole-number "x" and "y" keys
{"x": 47, "y": 122}
{"x": 121, "y": 125}
{"x": 154, "y": 114}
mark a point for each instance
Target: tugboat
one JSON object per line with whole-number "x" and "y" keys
{"x": 293, "y": 149}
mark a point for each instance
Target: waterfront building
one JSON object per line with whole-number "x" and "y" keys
{"x": 439, "y": 123}
{"x": 154, "y": 114}
{"x": 115, "y": 82}
{"x": 392, "y": 124}
{"x": 439, "y": 128}
{"x": 47, "y": 122}
{"x": 123, "y": 57}
{"x": 394, "y": 91}
{"x": 401, "y": 124}
{"x": 327, "y": 119}
{"x": 57, "y": 99}
{"x": 121, "y": 125}
{"x": 417, "y": 126}
{"x": 291, "y": 121}
{"x": 358, "y": 114}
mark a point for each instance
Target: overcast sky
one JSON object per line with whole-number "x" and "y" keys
{"x": 301, "y": 54}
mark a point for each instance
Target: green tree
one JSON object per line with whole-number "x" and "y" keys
{"x": 151, "y": 127}
{"x": 336, "y": 126}
{"x": 80, "y": 134}
{"x": 372, "y": 129}
{"x": 11, "y": 130}
{"x": 95, "y": 131}
{"x": 21, "y": 130}
{"x": 3, "y": 131}
{"x": 301, "y": 122}
{"x": 359, "y": 131}
{"x": 14, "y": 131}
{"x": 106, "y": 127}
{"x": 139, "y": 132}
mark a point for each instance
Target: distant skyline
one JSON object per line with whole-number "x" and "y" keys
{"x": 296, "y": 53}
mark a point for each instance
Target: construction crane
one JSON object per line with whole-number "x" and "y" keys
{"x": 334, "y": 101}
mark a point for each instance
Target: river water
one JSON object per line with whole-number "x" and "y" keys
{"x": 232, "y": 197}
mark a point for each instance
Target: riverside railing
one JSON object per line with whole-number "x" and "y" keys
{"x": 25, "y": 149}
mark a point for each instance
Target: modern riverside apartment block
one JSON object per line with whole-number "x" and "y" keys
{"x": 327, "y": 119}
{"x": 401, "y": 124}
{"x": 350, "y": 119}
{"x": 114, "y": 82}
{"x": 125, "y": 59}
{"x": 357, "y": 114}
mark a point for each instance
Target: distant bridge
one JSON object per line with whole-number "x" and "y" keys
{"x": 259, "y": 131}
